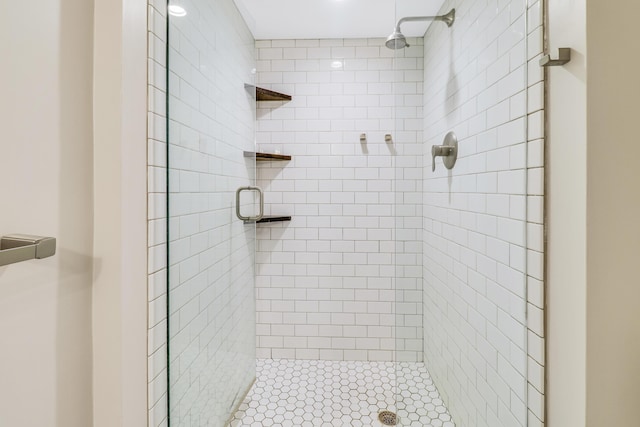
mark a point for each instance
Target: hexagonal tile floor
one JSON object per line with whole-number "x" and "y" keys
{"x": 310, "y": 393}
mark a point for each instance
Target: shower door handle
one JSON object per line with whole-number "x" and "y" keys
{"x": 260, "y": 195}
{"x": 21, "y": 247}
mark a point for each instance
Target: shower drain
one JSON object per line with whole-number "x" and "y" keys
{"x": 388, "y": 418}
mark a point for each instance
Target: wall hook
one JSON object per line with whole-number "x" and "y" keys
{"x": 564, "y": 56}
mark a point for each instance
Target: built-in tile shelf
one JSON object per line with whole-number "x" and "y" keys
{"x": 265, "y": 157}
{"x": 274, "y": 218}
{"x": 263, "y": 94}
{"x": 270, "y": 218}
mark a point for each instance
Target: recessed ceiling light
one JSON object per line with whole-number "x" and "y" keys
{"x": 336, "y": 64}
{"x": 176, "y": 10}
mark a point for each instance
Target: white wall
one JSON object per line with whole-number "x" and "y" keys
{"x": 46, "y": 171}
{"x": 483, "y": 233}
{"x": 613, "y": 210}
{"x": 119, "y": 248}
{"x": 566, "y": 200}
{"x": 332, "y": 284}
{"x": 593, "y": 209}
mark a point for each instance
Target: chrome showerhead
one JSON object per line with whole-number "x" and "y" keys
{"x": 449, "y": 18}
{"x": 396, "y": 40}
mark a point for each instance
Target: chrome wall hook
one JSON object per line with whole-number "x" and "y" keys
{"x": 564, "y": 56}
{"x": 448, "y": 151}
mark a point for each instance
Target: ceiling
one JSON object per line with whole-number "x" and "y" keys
{"x": 320, "y": 19}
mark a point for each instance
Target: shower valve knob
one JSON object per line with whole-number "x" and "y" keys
{"x": 448, "y": 151}
{"x": 441, "y": 150}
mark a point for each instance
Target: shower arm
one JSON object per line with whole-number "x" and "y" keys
{"x": 447, "y": 19}
{"x": 416, "y": 18}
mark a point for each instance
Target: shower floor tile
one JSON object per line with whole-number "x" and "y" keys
{"x": 309, "y": 393}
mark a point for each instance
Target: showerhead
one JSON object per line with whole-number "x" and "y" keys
{"x": 396, "y": 40}
{"x": 449, "y": 18}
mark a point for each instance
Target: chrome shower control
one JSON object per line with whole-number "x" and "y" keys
{"x": 397, "y": 40}
{"x": 448, "y": 151}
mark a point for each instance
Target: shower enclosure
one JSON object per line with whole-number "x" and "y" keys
{"x": 364, "y": 276}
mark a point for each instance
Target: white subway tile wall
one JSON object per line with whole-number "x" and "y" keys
{"x": 157, "y": 215}
{"x": 535, "y": 236}
{"x": 483, "y": 220}
{"x": 212, "y": 253}
{"x": 328, "y": 280}
{"x": 342, "y": 280}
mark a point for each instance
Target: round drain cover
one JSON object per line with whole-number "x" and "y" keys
{"x": 388, "y": 418}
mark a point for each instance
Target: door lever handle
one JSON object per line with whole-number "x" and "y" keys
{"x": 22, "y": 247}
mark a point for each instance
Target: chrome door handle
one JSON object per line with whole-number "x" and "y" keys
{"x": 249, "y": 218}
{"x": 21, "y": 247}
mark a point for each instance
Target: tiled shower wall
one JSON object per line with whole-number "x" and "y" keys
{"x": 483, "y": 220}
{"x": 328, "y": 281}
{"x": 459, "y": 382}
{"x": 157, "y": 215}
{"x": 211, "y": 279}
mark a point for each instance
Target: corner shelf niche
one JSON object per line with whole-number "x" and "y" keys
{"x": 274, "y": 218}
{"x": 271, "y": 218}
{"x": 263, "y": 94}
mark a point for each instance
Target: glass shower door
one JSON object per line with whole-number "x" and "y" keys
{"x": 211, "y": 155}
{"x": 464, "y": 316}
